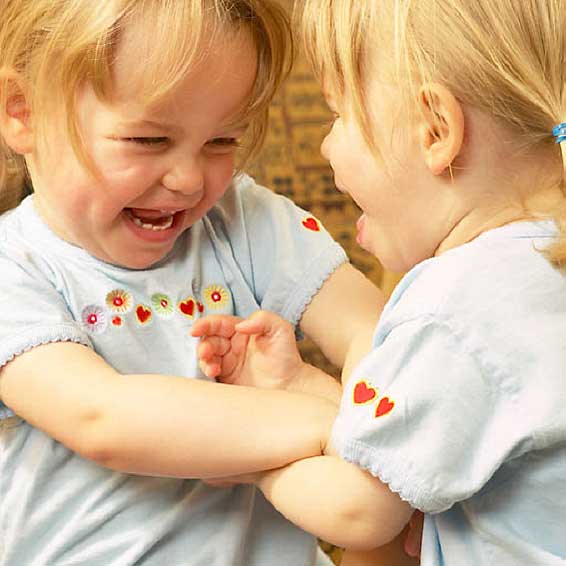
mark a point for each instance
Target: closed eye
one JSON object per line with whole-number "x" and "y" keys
{"x": 151, "y": 141}
{"x": 224, "y": 142}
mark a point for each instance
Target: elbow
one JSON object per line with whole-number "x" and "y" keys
{"x": 362, "y": 531}
{"x": 92, "y": 439}
{"x": 365, "y": 523}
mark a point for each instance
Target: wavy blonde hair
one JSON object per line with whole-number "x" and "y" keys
{"x": 505, "y": 57}
{"x": 56, "y": 46}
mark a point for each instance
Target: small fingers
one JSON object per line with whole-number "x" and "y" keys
{"x": 413, "y": 540}
{"x": 219, "y": 325}
{"x": 212, "y": 346}
{"x": 211, "y": 369}
{"x": 261, "y": 322}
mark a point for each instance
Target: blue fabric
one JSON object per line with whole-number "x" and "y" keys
{"x": 251, "y": 251}
{"x": 460, "y": 405}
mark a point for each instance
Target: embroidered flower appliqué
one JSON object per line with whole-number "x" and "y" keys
{"x": 215, "y": 296}
{"x": 162, "y": 305}
{"x": 119, "y": 301}
{"x": 94, "y": 319}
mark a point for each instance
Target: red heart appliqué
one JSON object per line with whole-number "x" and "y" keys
{"x": 200, "y": 307}
{"x": 143, "y": 314}
{"x": 364, "y": 393}
{"x": 311, "y": 224}
{"x": 385, "y": 406}
{"x": 187, "y": 307}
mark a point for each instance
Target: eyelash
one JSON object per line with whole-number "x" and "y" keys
{"x": 224, "y": 142}
{"x": 147, "y": 141}
{"x": 150, "y": 141}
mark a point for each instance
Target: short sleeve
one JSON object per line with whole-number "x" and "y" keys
{"x": 425, "y": 415}
{"x": 283, "y": 252}
{"x": 32, "y": 312}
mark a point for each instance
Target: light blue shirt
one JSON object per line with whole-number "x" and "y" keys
{"x": 253, "y": 250}
{"x": 461, "y": 405}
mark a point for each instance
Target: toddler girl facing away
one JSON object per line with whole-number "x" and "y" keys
{"x": 450, "y": 135}
{"x": 125, "y": 116}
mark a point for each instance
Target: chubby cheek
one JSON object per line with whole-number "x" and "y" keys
{"x": 217, "y": 180}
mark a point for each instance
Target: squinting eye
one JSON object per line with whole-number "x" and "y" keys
{"x": 224, "y": 142}
{"x": 146, "y": 141}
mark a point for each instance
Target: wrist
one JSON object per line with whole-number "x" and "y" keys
{"x": 298, "y": 382}
{"x": 311, "y": 380}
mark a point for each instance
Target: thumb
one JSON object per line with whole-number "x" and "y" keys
{"x": 261, "y": 322}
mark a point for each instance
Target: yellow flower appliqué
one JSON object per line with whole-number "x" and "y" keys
{"x": 119, "y": 301}
{"x": 216, "y": 296}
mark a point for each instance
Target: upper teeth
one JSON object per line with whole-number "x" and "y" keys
{"x": 165, "y": 225}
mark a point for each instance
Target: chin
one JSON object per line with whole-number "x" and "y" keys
{"x": 142, "y": 262}
{"x": 135, "y": 260}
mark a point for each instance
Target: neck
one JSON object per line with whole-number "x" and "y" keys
{"x": 526, "y": 191}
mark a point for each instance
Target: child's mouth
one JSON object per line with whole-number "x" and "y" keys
{"x": 155, "y": 220}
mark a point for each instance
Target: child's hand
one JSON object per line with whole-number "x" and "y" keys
{"x": 260, "y": 351}
{"x": 221, "y": 350}
{"x": 413, "y": 541}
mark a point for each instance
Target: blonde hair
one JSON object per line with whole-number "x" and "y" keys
{"x": 55, "y": 47}
{"x": 505, "y": 57}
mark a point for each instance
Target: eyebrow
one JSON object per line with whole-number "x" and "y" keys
{"x": 152, "y": 124}
{"x": 239, "y": 125}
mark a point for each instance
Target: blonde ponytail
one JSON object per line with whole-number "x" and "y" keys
{"x": 556, "y": 253}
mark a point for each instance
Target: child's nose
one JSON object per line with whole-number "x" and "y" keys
{"x": 185, "y": 176}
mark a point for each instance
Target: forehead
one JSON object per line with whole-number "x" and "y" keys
{"x": 221, "y": 71}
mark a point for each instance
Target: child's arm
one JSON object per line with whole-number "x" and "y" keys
{"x": 334, "y": 500}
{"x": 160, "y": 425}
{"x": 342, "y": 316}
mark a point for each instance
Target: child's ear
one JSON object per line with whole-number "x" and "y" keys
{"x": 441, "y": 127}
{"x": 15, "y": 114}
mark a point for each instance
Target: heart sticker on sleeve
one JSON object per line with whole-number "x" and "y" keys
{"x": 311, "y": 224}
{"x": 384, "y": 407}
{"x": 363, "y": 393}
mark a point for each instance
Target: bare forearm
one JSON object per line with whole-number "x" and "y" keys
{"x": 359, "y": 348}
{"x": 364, "y": 305}
{"x": 337, "y": 502}
{"x": 190, "y": 428}
{"x": 160, "y": 425}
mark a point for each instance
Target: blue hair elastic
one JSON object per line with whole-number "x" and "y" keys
{"x": 559, "y": 132}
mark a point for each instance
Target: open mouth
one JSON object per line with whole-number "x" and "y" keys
{"x": 155, "y": 220}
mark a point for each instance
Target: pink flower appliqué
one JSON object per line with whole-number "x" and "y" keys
{"x": 94, "y": 319}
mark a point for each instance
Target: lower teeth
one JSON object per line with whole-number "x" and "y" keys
{"x": 155, "y": 227}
